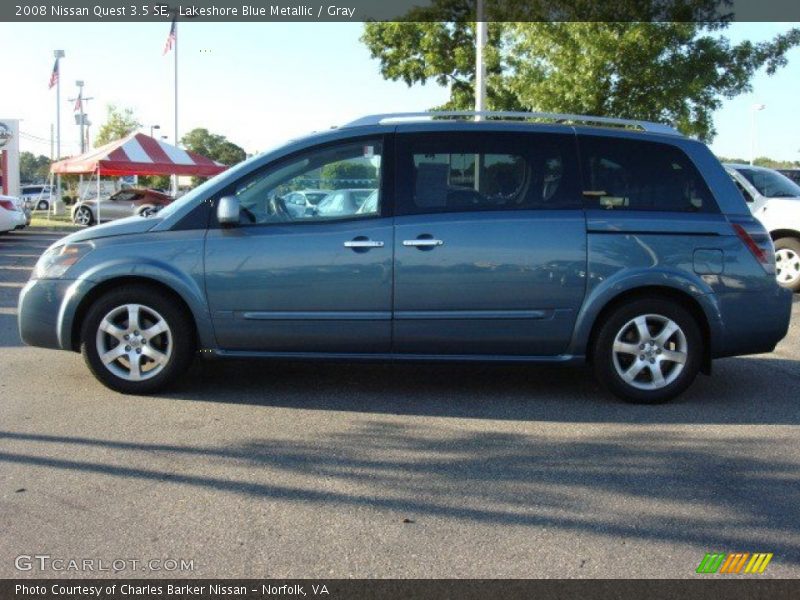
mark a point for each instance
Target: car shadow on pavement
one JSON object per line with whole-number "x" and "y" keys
{"x": 646, "y": 485}
{"x": 754, "y": 390}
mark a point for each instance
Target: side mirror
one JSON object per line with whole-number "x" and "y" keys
{"x": 228, "y": 211}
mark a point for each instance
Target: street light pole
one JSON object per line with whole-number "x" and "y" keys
{"x": 58, "y": 206}
{"x": 152, "y": 127}
{"x": 753, "y": 110}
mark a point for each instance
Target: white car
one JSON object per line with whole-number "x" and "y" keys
{"x": 11, "y": 214}
{"x": 774, "y": 199}
{"x": 36, "y": 197}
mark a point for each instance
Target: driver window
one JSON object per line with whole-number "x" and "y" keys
{"x": 339, "y": 182}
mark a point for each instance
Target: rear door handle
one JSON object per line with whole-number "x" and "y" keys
{"x": 363, "y": 244}
{"x": 423, "y": 243}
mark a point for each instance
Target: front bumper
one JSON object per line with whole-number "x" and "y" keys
{"x": 43, "y": 317}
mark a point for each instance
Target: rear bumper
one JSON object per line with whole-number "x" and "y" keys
{"x": 753, "y": 322}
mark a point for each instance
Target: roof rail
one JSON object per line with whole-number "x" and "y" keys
{"x": 389, "y": 118}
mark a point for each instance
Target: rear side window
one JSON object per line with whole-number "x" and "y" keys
{"x": 457, "y": 172}
{"x": 623, "y": 174}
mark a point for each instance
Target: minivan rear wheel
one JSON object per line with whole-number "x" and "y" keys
{"x": 787, "y": 263}
{"x": 137, "y": 340}
{"x": 648, "y": 350}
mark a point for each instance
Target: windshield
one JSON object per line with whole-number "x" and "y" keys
{"x": 771, "y": 184}
{"x": 203, "y": 188}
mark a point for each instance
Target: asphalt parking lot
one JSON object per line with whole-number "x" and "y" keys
{"x": 253, "y": 469}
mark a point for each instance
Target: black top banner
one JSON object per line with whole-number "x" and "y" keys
{"x": 402, "y": 10}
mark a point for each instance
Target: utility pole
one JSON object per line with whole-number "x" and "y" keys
{"x": 481, "y": 37}
{"x": 81, "y": 118}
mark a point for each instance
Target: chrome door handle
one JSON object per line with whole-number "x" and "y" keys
{"x": 363, "y": 244}
{"x": 423, "y": 243}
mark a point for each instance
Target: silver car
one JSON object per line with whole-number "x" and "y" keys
{"x": 125, "y": 203}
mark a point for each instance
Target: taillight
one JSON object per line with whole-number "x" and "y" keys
{"x": 8, "y": 205}
{"x": 760, "y": 246}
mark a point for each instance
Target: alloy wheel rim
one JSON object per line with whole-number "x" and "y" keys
{"x": 134, "y": 342}
{"x": 650, "y": 352}
{"x": 787, "y": 265}
{"x": 83, "y": 217}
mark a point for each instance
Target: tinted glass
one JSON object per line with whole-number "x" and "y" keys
{"x": 771, "y": 184}
{"x": 624, "y": 174}
{"x": 352, "y": 171}
{"x": 446, "y": 172}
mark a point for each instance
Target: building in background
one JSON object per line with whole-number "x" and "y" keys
{"x": 9, "y": 156}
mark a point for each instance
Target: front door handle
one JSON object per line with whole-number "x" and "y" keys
{"x": 359, "y": 243}
{"x": 423, "y": 243}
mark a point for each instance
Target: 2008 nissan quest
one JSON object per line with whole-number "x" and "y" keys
{"x": 518, "y": 237}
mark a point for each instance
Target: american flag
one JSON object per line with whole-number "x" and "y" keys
{"x": 172, "y": 38}
{"x": 54, "y": 75}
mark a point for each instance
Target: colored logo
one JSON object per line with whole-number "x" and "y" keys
{"x": 734, "y": 563}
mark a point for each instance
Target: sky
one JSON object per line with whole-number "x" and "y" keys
{"x": 260, "y": 84}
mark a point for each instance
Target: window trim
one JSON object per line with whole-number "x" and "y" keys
{"x": 386, "y": 184}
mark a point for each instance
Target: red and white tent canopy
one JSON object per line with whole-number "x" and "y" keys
{"x": 138, "y": 154}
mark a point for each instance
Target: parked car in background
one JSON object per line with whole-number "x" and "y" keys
{"x": 775, "y": 200}
{"x": 12, "y": 215}
{"x": 302, "y": 201}
{"x": 342, "y": 202}
{"x": 793, "y": 174}
{"x": 518, "y": 238}
{"x": 125, "y": 203}
{"x": 36, "y": 196}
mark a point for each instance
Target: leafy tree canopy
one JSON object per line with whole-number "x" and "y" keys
{"x": 119, "y": 123}
{"x": 213, "y": 146}
{"x": 32, "y": 168}
{"x": 670, "y": 72}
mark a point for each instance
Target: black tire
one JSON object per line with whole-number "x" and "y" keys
{"x": 147, "y": 211}
{"x": 793, "y": 246}
{"x": 153, "y": 302}
{"x": 43, "y": 205}
{"x": 82, "y": 210}
{"x": 614, "y": 324}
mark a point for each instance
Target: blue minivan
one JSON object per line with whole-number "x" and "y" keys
{"x": 513, "y": 237}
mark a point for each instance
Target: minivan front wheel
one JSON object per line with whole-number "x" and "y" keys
{"x": 136, "y": 341}
{"x": 648, "y": 351}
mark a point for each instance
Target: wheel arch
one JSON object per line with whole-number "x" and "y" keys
{"x": 778, "y": 234}
{"x": 685, "y": 299}
{"x": 98, "y": 290}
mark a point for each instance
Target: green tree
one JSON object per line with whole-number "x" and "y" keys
{"x": 32, "y": 168}
{"x": 670, "y": 72}
{"x": 119, "y": 123}
{"x": 346, "y": 174}
{"x": 214, "y": 146}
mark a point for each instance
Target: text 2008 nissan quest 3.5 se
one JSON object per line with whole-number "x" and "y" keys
{"x": 433, "y": 237}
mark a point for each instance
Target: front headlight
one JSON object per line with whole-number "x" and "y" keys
{"x": 57, "y": 260}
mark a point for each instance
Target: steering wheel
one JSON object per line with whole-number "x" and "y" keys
{"x": 277, "y": 206}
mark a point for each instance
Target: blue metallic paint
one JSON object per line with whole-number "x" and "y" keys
{"x": 620, "y": 252}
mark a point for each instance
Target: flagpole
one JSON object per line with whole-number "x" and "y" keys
{"x": 175, "y": 177}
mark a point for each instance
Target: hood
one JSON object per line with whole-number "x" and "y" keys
{"x": 127, "y": 226}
